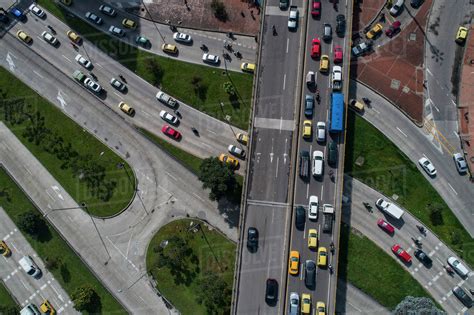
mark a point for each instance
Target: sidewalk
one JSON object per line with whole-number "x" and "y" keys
{"x": 466, "y": 101}
{"x": 395, "y": 70}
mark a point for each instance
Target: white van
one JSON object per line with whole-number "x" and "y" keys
{"x": 30, "y": 309}
{"x": 30, "y": 267}
{"x": 318, "y": 163}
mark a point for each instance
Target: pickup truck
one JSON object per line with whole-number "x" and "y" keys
{"x": 166, "y": 99}
{"x": 293, "y": 17}
{"x": 304, "y": 164}
{"x": 389, "y": 208}
{"x": 79, "y": 76}
{"x": 328, "y": 217}
{"x": 336, "y": 77}
{"x": 360, "y": 49}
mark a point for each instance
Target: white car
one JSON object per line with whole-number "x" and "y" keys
{"x": 48, "y": 37}
{"x": 91, "y": 84}
{"x": 397, "y": 7}
{"x": 83, "y": 61}
{"x": 181, "y": 37}
{"x": 119, "y": 85}
{"x": 293, "y": 17}
{"x": 294, "y": 308}
{"x": 116, "y": 31}
{"x": 168, "y": 117}
{"x": 318, "y": 163}
{"x": 313, "y": 208}
{"x": 321, "y": 131}
{"x": 107, "y": 10}
{"x": 460, "y": 162}
{"x": 458, "y": 266}
{"x": 94, "y": 18}
{"x": 210, "y": 58}
{"x": 235, "y": 150}
{"x": 427, "y": 166}
{"x": 37, "y": 11}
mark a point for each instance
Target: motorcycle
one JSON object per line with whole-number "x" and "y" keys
{"x": 238, "y": 54}
{"x": 421, "y": 229}
{"x": 204, "y": 47}
{"x": 330, "y": 269}
{"x": 448, "y": 269}
{"x": 122, "y": 78}
{"x": 195, "y": 131}
{"x": 52, "y": 29}
{"x": 178, "y": 113}
{"x": 332, "y": 248}
{"x": 367, "y": 206}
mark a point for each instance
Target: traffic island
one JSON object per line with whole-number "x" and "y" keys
{"x": 192, "y": 266}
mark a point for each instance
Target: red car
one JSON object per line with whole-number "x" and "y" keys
{"x": 173, "y": 133}
{"x": 393, "y": 29}
{"x": 337, "y": 54}
{"x": 316, "y": 8}
{"x": 315, "y": 48}
{"x": 401, "y": 253}
{"x": 384, "y": 225}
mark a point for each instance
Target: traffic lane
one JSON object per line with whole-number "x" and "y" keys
{"x": 269, "y": 174}
{"x": 159, "y": 34}
{"x": 147, "y": 110}
{"x": 267, "y": 262}
{"x": 24, "y": 287}
{"x": 398, "y": 130}
{"x": 439, "y": 283}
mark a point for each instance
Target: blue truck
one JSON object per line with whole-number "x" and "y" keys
{"x": 336, "y": 123}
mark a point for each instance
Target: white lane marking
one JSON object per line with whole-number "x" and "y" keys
{"x": 66, "y": 58}
{"x": 120, "y": 96}
{"x": 98, "y": 65}
{"x": 322, "y": 190}
{"x": 455, "y": 133}
{"x": 452, "y": 188}
{"x": 276, "y": 173}
{"x": 211, "y": 131}
{"x": 198, "y": 197}
{"x": 428, "y": 70}
{"x": 26, "y": 168}
{"x": 51, "y": 196}
{"x": 171, "y": 176}
{"x": 284, "y": 81}
{"x": 375, "y": 110}
{"x": 402, "y": 132}
{"x": 38, "y": 74}
{"x": 436, "y": 107}
{"x": 454, "y": 103}
{"x": 287, "y": 44}
{"x": 11, "y": 64}
{"x": 144, "y": 112}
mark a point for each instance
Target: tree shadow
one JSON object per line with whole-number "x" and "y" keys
{"x": 65, "y": 273}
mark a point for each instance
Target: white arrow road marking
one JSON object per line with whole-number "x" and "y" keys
{"x": 11, "y": 64}
{"x": 57, "y": 190}
{"x": 61, "y": 100}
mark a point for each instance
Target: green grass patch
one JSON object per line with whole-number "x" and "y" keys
{"x": 8, "y": 304}
{"x": 389, "y": 171}
{"x": 88, "y": 170}
{"x": 370, "y": 269}
{"x": 197, "y": 85}
{"x": 66, "y": 267}
{"x": 211, "y": 252}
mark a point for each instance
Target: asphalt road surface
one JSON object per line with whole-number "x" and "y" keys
{"x": 325, "y": 188}
{"x": 22, "y": 286}
{"x": 159, "y": 34}
{"x": 433, "y": 278}
{"x": 414, "y": 142}
{"x": 214, "y": 135}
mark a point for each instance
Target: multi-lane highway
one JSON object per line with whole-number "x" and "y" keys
{"x": 325, "y": 188}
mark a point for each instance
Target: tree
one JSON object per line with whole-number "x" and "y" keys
{"x": 218, "y": 8}
{"x": 86, "y": 299}
{"x": 178, "y": 256}
{"x": 229, "y": 88}
{"x": 436, "y": 214}
{"x": 218, "y": 177}
{"x": 214, "y": 293}
{"x": 417, "y": 305}
{"x": 156, "y": 70}
{"x": 9, "y": 310}
{"x": 32, "y": 222}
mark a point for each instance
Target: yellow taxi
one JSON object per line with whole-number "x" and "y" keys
{"x": 307, "y": 129}
{"x": 74, "y": 37}
{"x": 376, "y": 30}
{"x": 356, "y": 105}
{"x": 461, "y": 35}
{"x": 322, "y": 257}
{"x": 4, "y": 249}
{"x": 305, "y": 303}
{"x": 248, "y": 67}
{"x": 324, "y": 63}
{"x": 320, "y": 308}
{"x": 124, "y": 107}
{"x": 47, "y": 308}
{"x": 312, "y": 238}
{"x": 129, "y": 23}
{"x": 224, "y": 158}
{"x": 24, "y": 36}
{"x": 242, "y": 138}
{"x": 294, "y": 264}
{"x": 169, "y": 48}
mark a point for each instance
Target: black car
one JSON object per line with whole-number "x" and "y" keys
{"x": 300, "y": 214}
{"x": 252, "y": 239}
{"x": 271, "y": 292}
{"x": 423, "y": 257}
{"x": 340, "y": 25}
{"x": 304, "y": 164}
{"x": 332, "y": 155}
{"x": 416, "y": 3}
{"x": 310, "y": 274}
{"x": 462, "y": 296}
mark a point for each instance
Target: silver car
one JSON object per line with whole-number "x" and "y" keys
{"x": 94, "y": 86}
{"x": 116, "y": 31}
{"x": 83, "y": 61}
{"x": 208, "y": 58}
{"x": 48, "y": 37}
{"x": 427, "y": 166}
{"x": 119, "y": 85}
{"x": 458, "y": 266}
{"x": 294, "y": 307}
{"x": 235, "y": 150}
{"x": 181, "y": 37}
{"x": 461, "y": 164}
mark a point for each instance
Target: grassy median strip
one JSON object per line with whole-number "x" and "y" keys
{"x": 197, "y": 85}
{"x": 88, "y": 170}
{"x": 366, "y": 266}
{"x": 388, "y": 170}
{"x": 63, "y": 263}
{"x": 193, "y": 267}
{"x": 8, "y": 304}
